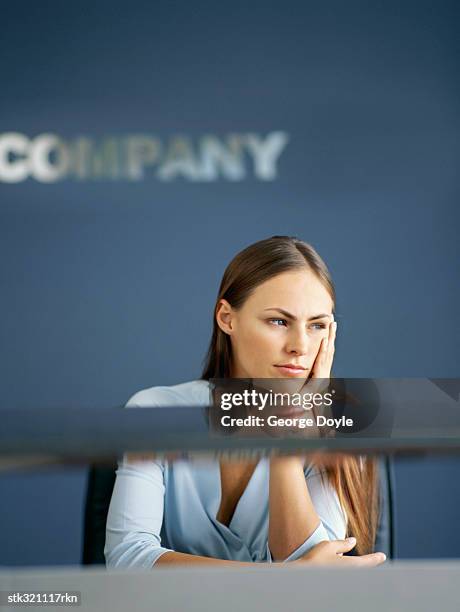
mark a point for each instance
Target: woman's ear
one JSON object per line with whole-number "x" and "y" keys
{"x": 224, "y": 316}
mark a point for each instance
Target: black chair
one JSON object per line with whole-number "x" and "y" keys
{"x": 101, "y": 479}
{"x": 99, "y": 491}
{"x": 386, "y": 529}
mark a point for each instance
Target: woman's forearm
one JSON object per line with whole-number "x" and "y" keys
{"x": 292, "y": 516}
{"x": 177, "y": 558}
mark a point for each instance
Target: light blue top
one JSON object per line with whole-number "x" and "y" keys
{"x": 160, "y": 506}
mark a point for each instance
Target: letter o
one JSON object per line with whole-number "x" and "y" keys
{"x": 41, "y": 167}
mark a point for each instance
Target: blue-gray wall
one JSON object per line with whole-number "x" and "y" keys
{"x": 105, "y": 284}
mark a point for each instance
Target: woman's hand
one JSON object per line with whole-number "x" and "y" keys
{"x": 331, "y": 553}
{"x": 322, "y": 365}
{"x": 318, "y": 382}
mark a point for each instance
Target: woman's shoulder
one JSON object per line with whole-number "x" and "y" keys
{"x": 194, "y": 393}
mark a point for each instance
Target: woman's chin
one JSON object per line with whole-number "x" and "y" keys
{"x": 280, "y": 384}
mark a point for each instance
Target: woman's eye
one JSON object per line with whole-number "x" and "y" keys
{"x": 283, "y": 321}
{"x": 318, "y": 325}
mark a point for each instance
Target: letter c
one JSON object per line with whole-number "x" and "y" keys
{"x": 14, "y": 170}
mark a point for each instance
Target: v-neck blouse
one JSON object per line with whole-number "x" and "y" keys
{"x": 160, "y": 506}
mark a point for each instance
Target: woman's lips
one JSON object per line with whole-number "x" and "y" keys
{"x": 290, "y": 371}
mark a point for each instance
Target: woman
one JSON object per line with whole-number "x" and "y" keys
{"x": 273, "y": 319}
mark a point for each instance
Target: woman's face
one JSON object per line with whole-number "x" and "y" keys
{"x": 281, "y": 323}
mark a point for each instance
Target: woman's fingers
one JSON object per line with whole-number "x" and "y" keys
{"x": 333, "y": 331}
{"x": 370, "y": 560}
{"x": 323, "y": 362}
{"x": 342, "y": 546}
{"x": 318, "y": 365}
{"x": 330, "y": 343}
{"x": 325, "y": 351}
{"x": 331, "y": 553}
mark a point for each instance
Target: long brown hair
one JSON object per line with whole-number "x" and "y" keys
{"x": 354, "y": 478}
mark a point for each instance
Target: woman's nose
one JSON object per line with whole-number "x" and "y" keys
{"x": 298, "y": 344}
